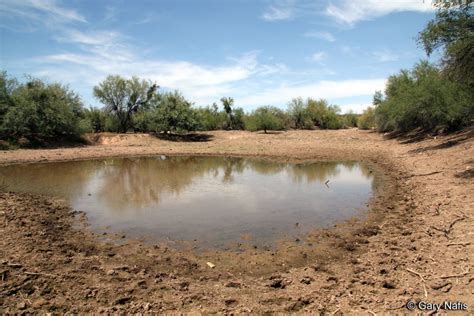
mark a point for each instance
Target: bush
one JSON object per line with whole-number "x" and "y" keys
{"x": 367, "y": 119}
{"x": 422, "y": 99}
{"x": 38, "y": 109}
{"x": 266, "y": 118}
{"x": 349, "y": 119}
{"x": 173, "y": 113}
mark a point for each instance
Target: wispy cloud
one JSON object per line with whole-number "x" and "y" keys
{"x": 110, "y": 14}
{"x": 101, "y": 53}
{"x": 320, "y": 35}
{"x": 39, "y": 11}
{"x": 385, "y": 56}
{"x": 283, "y": 10}
{"x": 352, "y": 11}
{"x": 317, "y": 57}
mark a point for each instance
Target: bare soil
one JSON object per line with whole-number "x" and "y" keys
{"x": 415, "y": 244}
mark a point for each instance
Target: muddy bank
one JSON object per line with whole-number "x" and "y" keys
{"x": 416, "y": 244}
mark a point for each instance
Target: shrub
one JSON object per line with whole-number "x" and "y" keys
{"x": 173, "y": 113}
{"x": 38, "y": 109}
{"x": 266, "y": 118}
{"x": 367, "y": 119}
{"x": 422, "y": 98}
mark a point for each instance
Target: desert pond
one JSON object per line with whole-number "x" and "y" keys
{"x": 212, "y": 201}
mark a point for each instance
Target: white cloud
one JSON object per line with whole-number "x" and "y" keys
{"x": 322, "y": 89}
{"x": 39, "y": 11}
{"x": 320, "y": 35}
{"x": 352, "y": 11}
{"x": 385, "y": 56}
{"x": 281, "y": 11}
{"x": 102, "y": 53}
{"x": 318, "y": 57}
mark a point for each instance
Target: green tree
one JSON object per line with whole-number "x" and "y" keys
{"x": 173, "y": 113}
{"x": 38, "y": 109}
{"x": 421, "y": 98}
{"x": 452, "y": 31}
{"x": 367, "y": 119}
{"x": 299, "y": 114}
{"x": 124, "y": 97}
{"x": 266, "y": 118}
{"x": 228, "y": 103}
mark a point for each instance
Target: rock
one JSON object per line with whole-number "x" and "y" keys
{"x": 122, "y": 300}
{"x": 211, "y": 265}
{"x": 307, "y": 280}
{"x": 111, "y": 272}
{"x": 230, "y": 302}
{"x": 234, "y": 284}
{"x": 277, "y": 284}
{"x": 21, "y": 305}
{"x": 389, "y": 284}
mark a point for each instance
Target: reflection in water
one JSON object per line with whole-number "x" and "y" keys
{"x": 212, "y": 199}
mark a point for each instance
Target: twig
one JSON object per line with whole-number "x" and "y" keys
{"x": 422, "y": 280}
{"x": 464, "y": 273}
{"x": 459, "y": 244}
{"x": 448, "y": 229}
{"x": 423, "y": 174}
{"x": 371, "y": 312}
{"x": 416, "y": 273}
{"x": 40, "y": 273}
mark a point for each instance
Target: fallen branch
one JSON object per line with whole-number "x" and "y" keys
{"x": 464, "y": 273}
{"x": 459, "y": 244}
{"x": 423, "y": 174}
{"x": 40, "y": 273}
{"x": 448, "y": 229}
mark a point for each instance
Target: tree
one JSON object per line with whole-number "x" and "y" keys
{"x": 124, "y": 97}
{"x": 421, "y": 98}
{"x": 228, "y": 103}
{"x": 267, "y": 118}
{"x": 173, "y": 113}
{"x": 299, "y": 115}
{"x": 367, "y": 119}
{"x": 37, "y": 109}
{"x": 452, "y": 31}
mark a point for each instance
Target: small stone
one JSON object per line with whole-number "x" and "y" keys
{"x": 110, "y": 272}
{"x": 21, "y": 305}
{"x": 211, "y": 265}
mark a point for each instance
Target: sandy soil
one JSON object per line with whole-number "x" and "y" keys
{"x": 417, "y": 242}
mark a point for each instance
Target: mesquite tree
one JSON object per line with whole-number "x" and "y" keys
{"x": 124, "y": 97}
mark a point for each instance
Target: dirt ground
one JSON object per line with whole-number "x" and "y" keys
{"x": 416, "y": 244}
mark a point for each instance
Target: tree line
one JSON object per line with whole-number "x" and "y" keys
{"x": 37, "y": 109}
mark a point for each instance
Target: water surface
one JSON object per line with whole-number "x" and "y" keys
{"x": 213, "y": 200}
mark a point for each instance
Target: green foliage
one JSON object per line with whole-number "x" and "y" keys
{"x": 422, "y": 98}
{"x": 173, "y": 113}
{"x": 124, "y": 97}
{"x": 227, "y": 103}
{"x": 297, "y": 110}
{"x": 452, "y": 31}
{"x": 314, "y": 113}
{"x": 266, "y": 118}
{"x": 349, "y": 119}
{"x": 95, "y": 119}
{"x": 210, "y": 118}
{"x": 367, "y": 119}
{"x": 38, "y": 109}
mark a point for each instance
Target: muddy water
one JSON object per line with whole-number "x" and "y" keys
{"x": 211, "y": 201}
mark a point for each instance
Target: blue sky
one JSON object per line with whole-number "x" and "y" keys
{"x": 258, "y": 52}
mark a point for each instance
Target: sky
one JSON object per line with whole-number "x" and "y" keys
{"x": 258, "y": 52}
